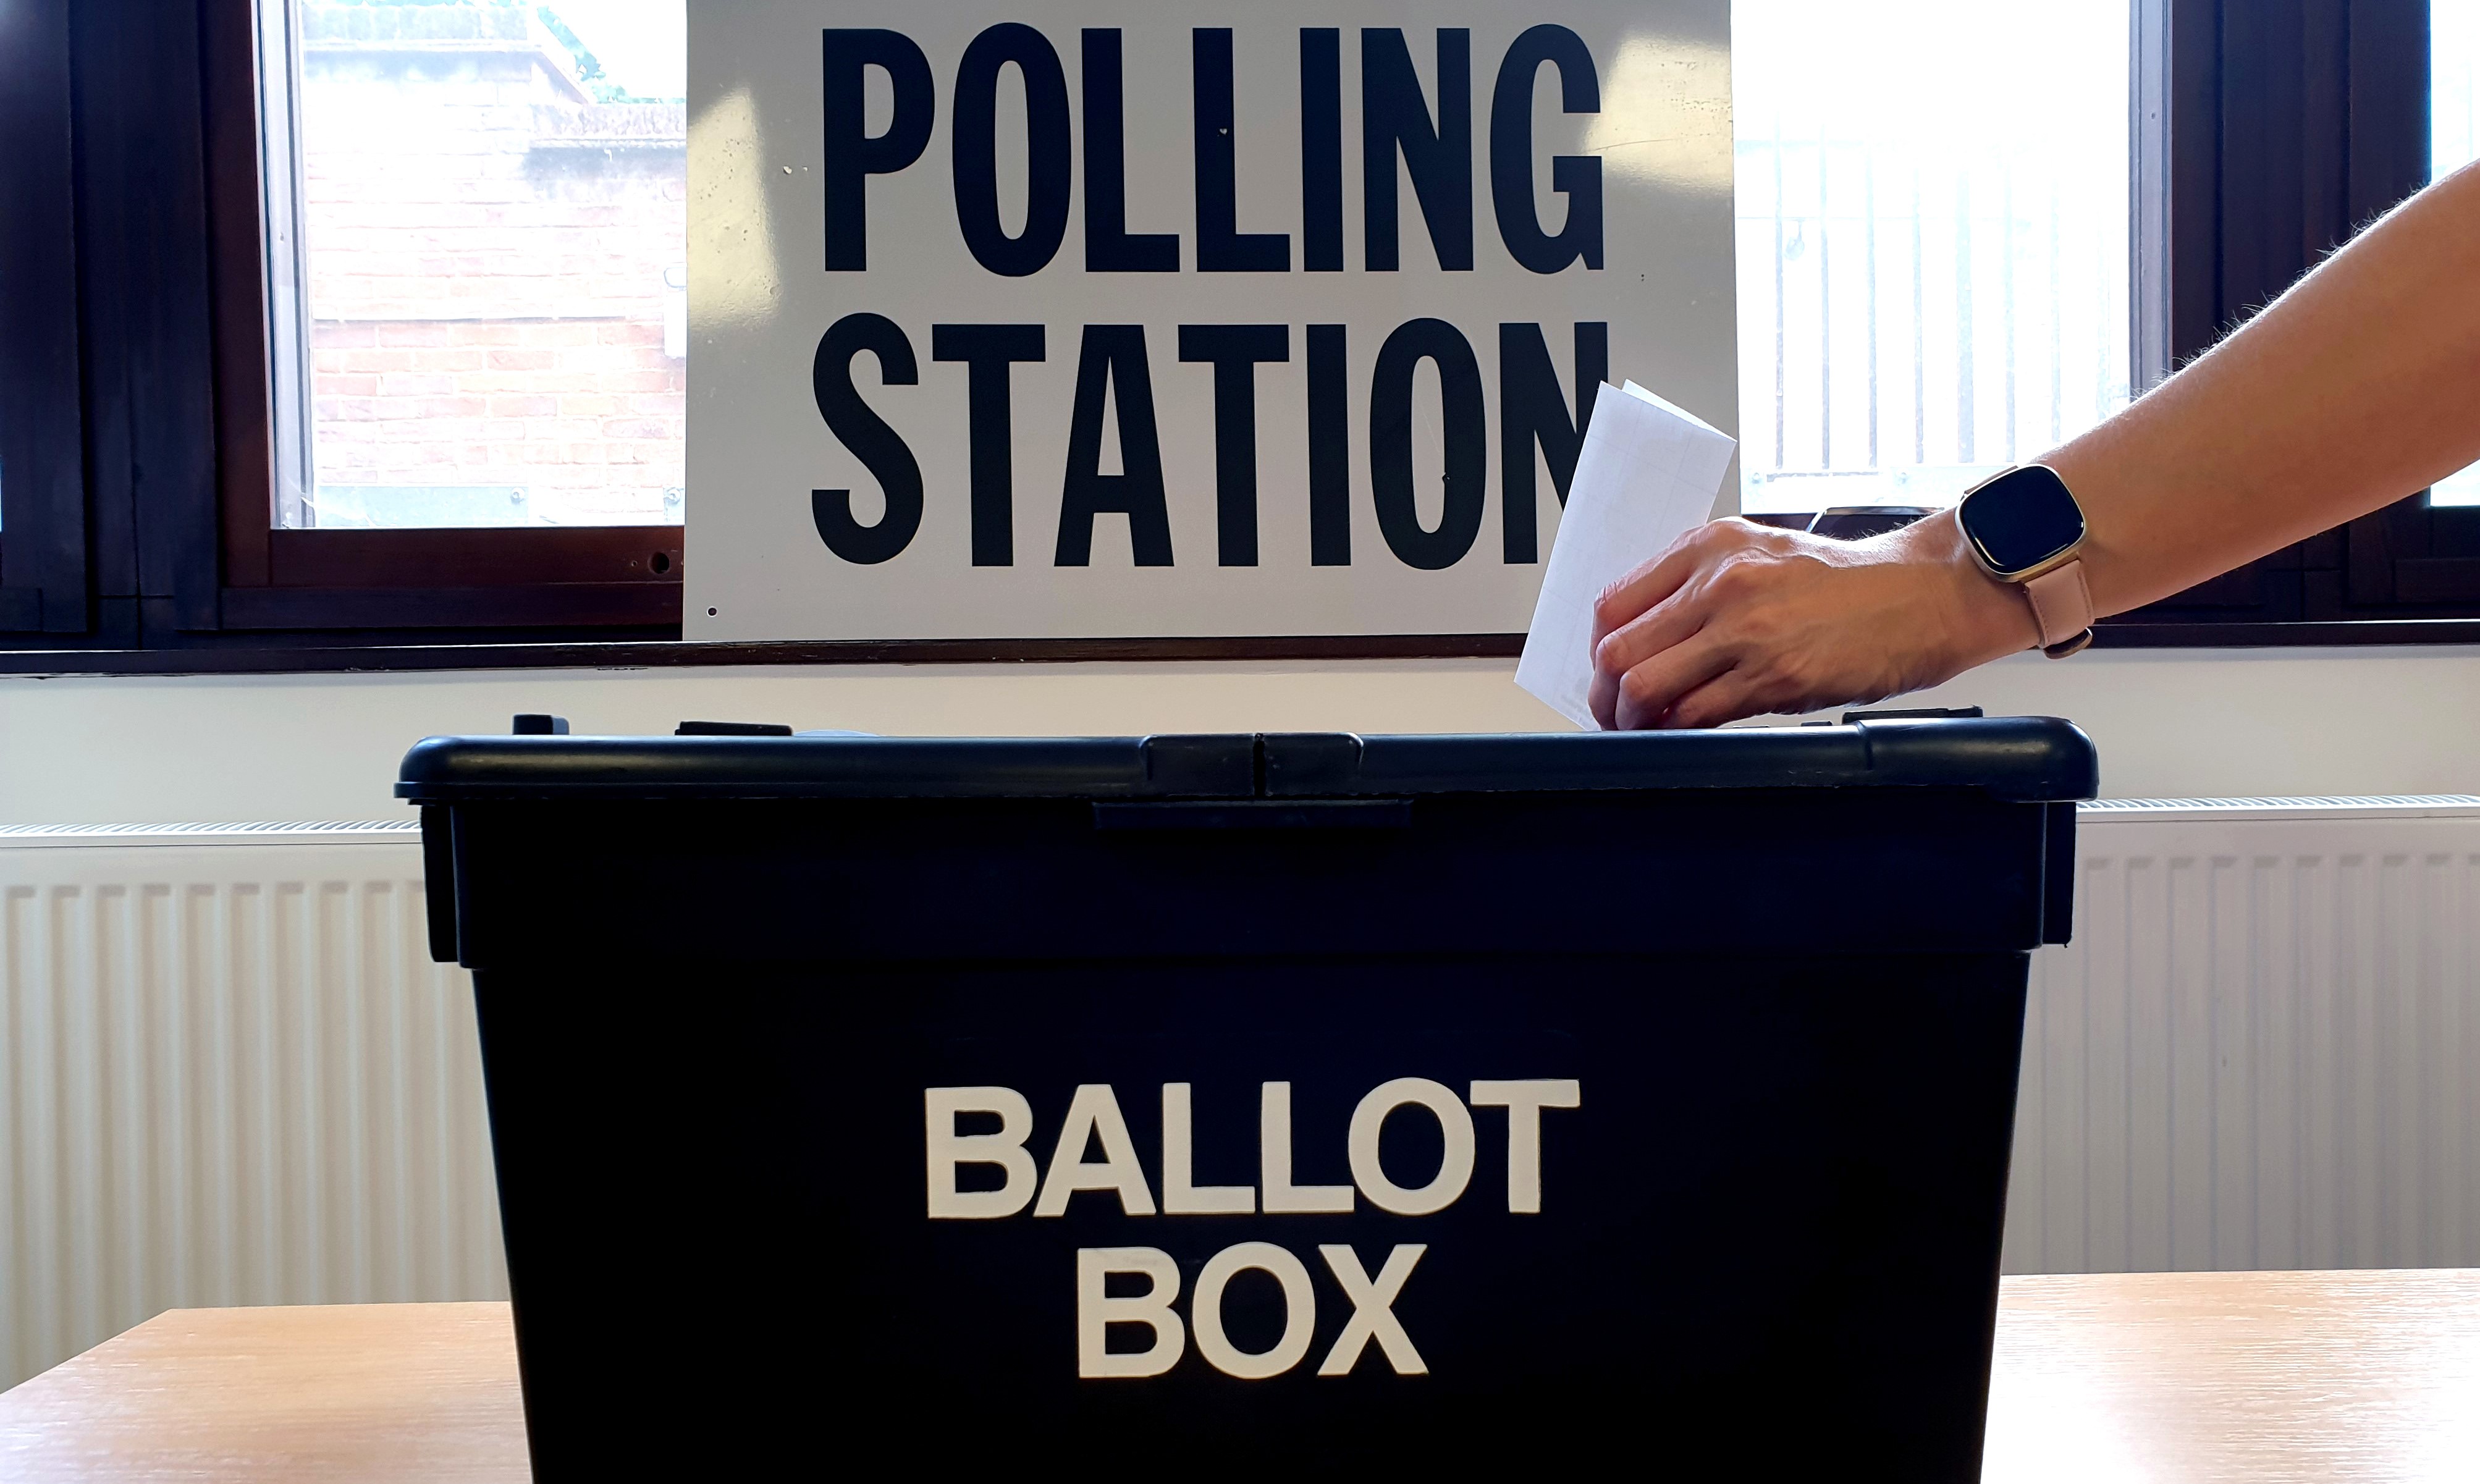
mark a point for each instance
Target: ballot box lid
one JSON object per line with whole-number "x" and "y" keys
{"x": 2015, "y": 758}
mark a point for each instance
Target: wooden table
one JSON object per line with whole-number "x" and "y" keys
{"x": 2168, "y": 1377}
{"x": 2268, "y": 1377}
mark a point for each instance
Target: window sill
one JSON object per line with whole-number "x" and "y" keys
{"x": 313, "y": 658}
{"x": 316, "y": 658}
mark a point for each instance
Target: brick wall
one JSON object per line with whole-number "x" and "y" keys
{"x": 492, "y": 259}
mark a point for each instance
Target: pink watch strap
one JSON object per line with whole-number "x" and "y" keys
{"x": 2062, "y": 604}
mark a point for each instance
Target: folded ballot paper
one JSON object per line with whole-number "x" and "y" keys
{"x": 1648, "y": 474}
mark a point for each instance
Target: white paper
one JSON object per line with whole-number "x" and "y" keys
{"x": 1648, "y": 474}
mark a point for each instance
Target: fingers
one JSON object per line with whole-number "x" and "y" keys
{"x": 1730, "y": 696}
{"x": 1628, "y": 598}
{"x": 1621, "y": 605}
{"x": 1659, "y": 604}
{"x": 1648, "y": 690}
{"x": 1736, "y": 621}
{"x": 1668, "y": 622}
{"x": 1604, "y": 699}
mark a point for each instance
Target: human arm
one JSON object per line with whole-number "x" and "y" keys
{"x": 2355, "y": 388}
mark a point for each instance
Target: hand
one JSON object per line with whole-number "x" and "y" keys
{"x": 1739, "y": 619}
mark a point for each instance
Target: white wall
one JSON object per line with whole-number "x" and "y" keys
{"x": 2169, "y": 723}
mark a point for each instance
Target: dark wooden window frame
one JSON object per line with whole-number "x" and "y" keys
{"x": 136, "y": 399}
{"x": 270, "y": 579}
{"x": 2295, "y": 122}
{"x": 42, "y": 469}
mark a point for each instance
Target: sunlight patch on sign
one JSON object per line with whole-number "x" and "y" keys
{"x": 1656, "y": 82}
{"x": 731, "y": 234}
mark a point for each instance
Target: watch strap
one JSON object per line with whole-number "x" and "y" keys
{"x": 2063, "y": 605}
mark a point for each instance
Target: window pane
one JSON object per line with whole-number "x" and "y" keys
{"x": 495, "y": 212}
{"x": 2454, "y": 132}
{"x": 1933, "y": 240}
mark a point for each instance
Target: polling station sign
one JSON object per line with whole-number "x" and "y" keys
{"x": 1092, "y": 319}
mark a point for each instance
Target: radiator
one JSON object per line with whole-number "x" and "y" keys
{"x": 230, "y": 1074}
{"x": 2263, "y": 1049}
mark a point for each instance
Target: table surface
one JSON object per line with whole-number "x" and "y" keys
{"x": 2167, "y": 1377}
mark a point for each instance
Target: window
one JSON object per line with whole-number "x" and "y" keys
{"x": 2454, "y": 142}
{"x": 1934, "y": 243}
{"x": 2290, "y": 126}
{"x": 493, "y": 211}
{"x": 447, "y": 326}
{"x": 1968, "y": 228}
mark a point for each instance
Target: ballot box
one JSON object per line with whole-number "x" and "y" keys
{"x": 1233, "y": 1105}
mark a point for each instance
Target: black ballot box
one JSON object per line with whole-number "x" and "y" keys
{"x": 1244, "y": 1105}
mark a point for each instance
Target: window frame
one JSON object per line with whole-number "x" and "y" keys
{"x": 141, "y": 396}
{"x": 43, "y": 466}
{"x": 2295, "y": 122}
{"x": 272, "y": 579}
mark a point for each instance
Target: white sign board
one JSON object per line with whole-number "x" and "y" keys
{"x": 1102, "y": 320}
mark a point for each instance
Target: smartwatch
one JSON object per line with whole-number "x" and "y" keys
{"x": 2025, "y": 527}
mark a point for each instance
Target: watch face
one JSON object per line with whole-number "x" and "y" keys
{"x": 2020, "y": 519}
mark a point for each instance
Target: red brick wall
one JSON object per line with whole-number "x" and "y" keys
{"x": 487, "y": 260}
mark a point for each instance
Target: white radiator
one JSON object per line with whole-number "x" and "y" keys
{"x": 2263, "y": 1049}
{"x": 230, "y": 1074}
